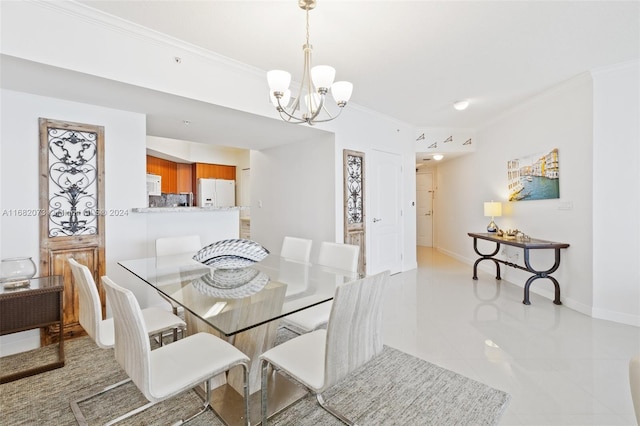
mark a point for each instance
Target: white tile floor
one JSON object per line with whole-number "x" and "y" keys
{"x": 561, "y": 367}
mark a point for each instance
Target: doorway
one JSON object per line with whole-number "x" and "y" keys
{"x": 424, "y": 208}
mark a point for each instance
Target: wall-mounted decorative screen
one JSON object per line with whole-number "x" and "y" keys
{"x": 73, "y": 189}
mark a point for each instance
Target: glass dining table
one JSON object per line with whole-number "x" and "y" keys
{"x": 243, "y": 306}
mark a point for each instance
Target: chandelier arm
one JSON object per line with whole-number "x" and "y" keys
{"x": 288, "y": 117}
{"x": 330, "y": 117}
{"x": 317, "y": 110}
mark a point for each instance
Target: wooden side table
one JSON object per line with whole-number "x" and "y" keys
{"x": 38, "y": 305}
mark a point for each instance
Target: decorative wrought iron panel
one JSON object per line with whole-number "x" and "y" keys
{"x": 73, "y": 190}
{"x": 353, "y": 186}
{"x": 354, "y": 203}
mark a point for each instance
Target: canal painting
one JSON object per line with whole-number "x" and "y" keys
{"x": 536, "y": 177}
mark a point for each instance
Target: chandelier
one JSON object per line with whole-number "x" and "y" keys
{"x": 314, "y": 86}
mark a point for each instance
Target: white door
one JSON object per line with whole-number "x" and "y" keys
{"x": 384, "y": 224}
{"x": 424, "y": 210}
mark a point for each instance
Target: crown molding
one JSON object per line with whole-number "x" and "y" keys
{"x": 113, "y": 23}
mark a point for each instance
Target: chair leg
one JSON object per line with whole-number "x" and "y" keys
{"x": 333, "y": 412}
{"x": 75, "y": 407}
{"x": 263, "y": 391}
{"x": 206, "y": 400}
{"x": 247, "y": 420}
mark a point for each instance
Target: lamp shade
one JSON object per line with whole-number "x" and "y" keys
{"x": 341, "y": 91}
{"x": 493, "y": 209}
{"x": 278, "y": 80}
{"x": 322, "y": 76}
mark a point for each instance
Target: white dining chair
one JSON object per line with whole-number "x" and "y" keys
{"x": 169, "y": 370}
{"x": 296, "y": 249}
{"x": 321, "y": 358}
{"x": 332, "y": 255}
{"x": 102, "y": 330}
{"x": 168, "y": 246}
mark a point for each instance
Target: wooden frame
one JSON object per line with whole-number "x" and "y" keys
{"x": 72, "y": 200}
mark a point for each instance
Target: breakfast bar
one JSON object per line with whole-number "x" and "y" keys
{"x": 526, "y": 244}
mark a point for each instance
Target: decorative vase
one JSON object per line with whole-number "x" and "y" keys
{"x": 17, "y": 269}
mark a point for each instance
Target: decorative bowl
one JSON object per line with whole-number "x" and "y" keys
{"x": 231, "y": 284}
{"x": 231, "y": 254}
{"x": 17, "y": 269}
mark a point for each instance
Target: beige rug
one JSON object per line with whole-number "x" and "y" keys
{"x": 393, "y": 389}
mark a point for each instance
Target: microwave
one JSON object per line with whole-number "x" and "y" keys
{"x": 154, "y": 184}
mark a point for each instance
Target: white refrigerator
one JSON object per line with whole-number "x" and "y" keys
{"x": 216, "y": 192}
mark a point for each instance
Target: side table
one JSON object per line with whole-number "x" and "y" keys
{"x": 34, "y": 306}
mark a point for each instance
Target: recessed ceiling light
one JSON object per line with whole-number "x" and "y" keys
{"x": 186, "y": 122}
{"x": 438, "y": 157}
{"x": 461, "y": 105}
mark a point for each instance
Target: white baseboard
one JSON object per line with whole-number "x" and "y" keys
{"x": 618, "y": 317}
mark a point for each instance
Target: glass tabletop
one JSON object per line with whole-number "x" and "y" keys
{"x": 236, "y": 300}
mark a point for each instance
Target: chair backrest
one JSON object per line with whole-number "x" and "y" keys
{"x": 339, "y": 256}
{"x": 298, "y": 249}
{"x": 167, "y": 246}
{"x": 132, "y": 348}
{"x": 354, "y": 331}
{"x": 90, "y": 307}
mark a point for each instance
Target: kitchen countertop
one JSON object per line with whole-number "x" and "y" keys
{"x": 184, "y": 209}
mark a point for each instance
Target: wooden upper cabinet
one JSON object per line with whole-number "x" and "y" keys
{"x": 183, "y": 177}
{"x": 165, "y": 168}
{"x": 216, "y": 171}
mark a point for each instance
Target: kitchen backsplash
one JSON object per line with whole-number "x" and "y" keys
{"x": 171, "y": 200}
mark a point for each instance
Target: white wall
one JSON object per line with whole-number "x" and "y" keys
{"x": 127, "y": 237}
{"x": 559, "y": 118}
{"x": 616, "y": 193}
{"x": 194, "y": 152}
{"x": 294, "y": 193}
{"x": 593, "y": 123}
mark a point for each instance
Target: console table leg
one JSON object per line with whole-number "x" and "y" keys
{"x": 556, "y": 285}
{"x": 526, "y": 300}
{"x": 485, "y": 257}
{"x": 557, "y": 290}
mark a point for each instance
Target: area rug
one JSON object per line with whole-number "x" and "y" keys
{"x": 393, "y": 389}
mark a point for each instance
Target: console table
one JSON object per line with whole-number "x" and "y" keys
{"x": 34, "y": 306}
{"x": 526, "y": 245}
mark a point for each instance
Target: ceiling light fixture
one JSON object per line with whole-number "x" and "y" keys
{"x": 314, "y": 86}
{"x": 438, "y": 157}
{"x": 461, "y": 105}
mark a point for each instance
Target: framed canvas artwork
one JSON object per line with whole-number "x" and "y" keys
{"x": 535, "y": 177}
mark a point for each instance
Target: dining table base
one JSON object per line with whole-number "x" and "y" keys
{"x": 228, "y": 404}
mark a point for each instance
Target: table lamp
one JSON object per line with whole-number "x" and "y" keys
{"x": 492, "y": 209}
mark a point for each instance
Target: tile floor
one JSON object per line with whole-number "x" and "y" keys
{"x": 561, "y": 367}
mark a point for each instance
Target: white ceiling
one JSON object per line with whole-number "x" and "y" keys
{"x": 407, "y": 59}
